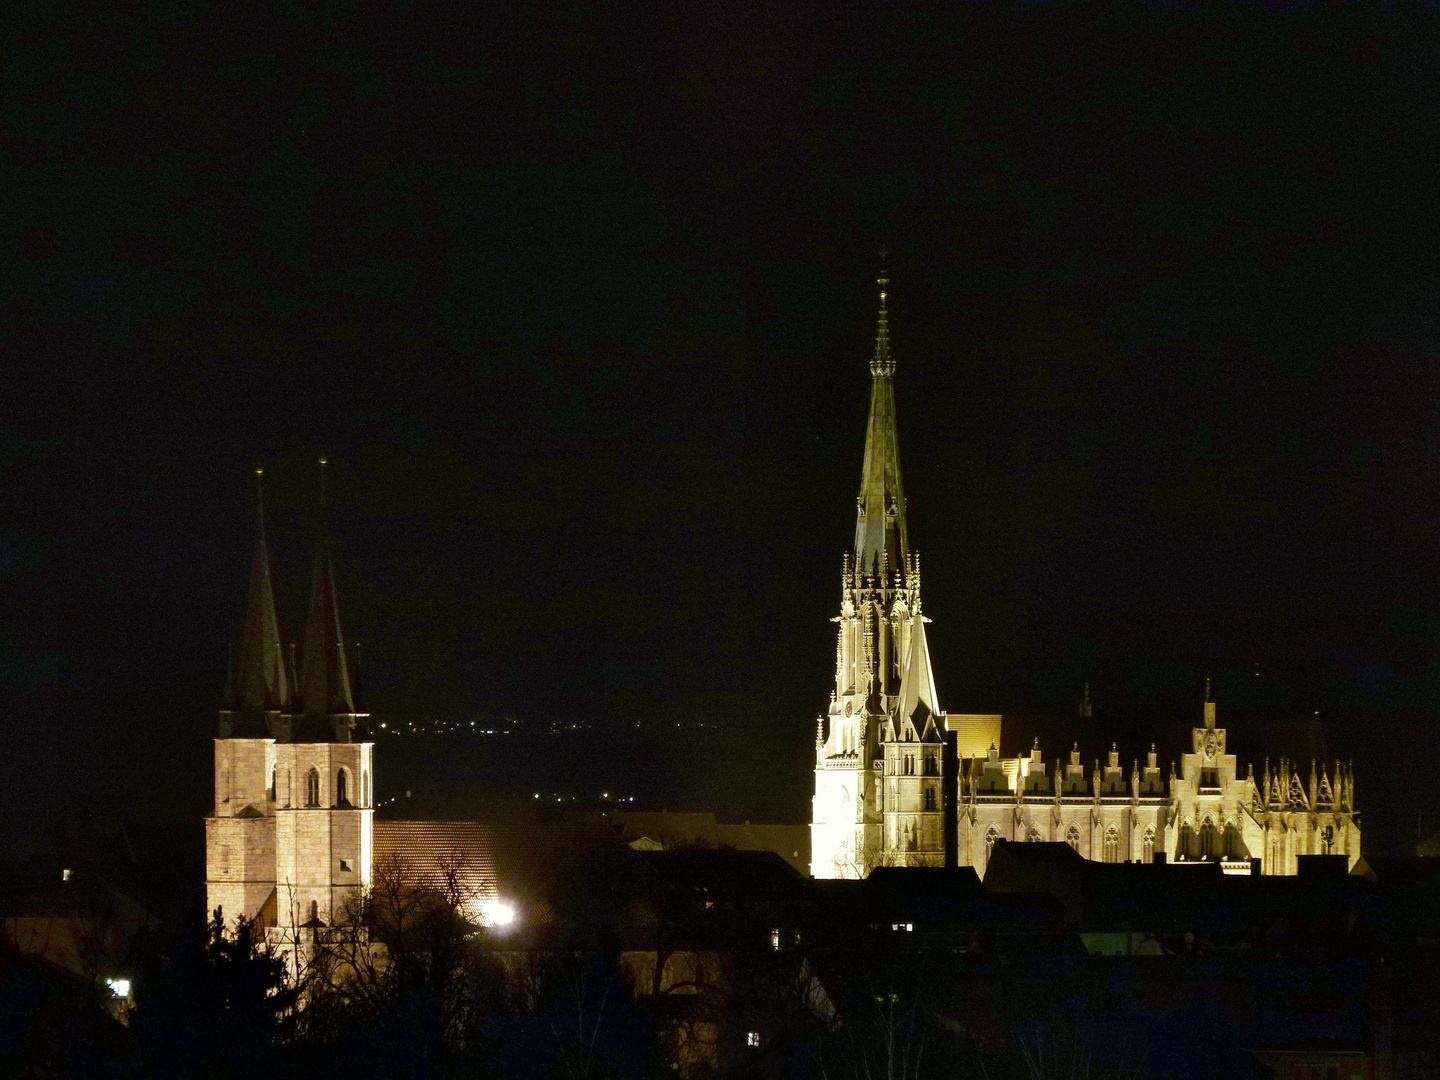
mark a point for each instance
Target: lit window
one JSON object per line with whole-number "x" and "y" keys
{"x": 752, "y": 1038}
{"x": 1112, "y": 845}
{"x": 775, "y": 939}
{"x": 906, "y": 927}
{"x": 119, "y": 987}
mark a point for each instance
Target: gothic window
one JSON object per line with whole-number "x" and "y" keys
{"x": 929, "y": 798}
{"x": 1072, "y": 837}
{"x": 274, "y": 781}
{"x": 1207, "y": 839}
{"x": 314, "y": 911}
{"x": 1183, "y": 845}
{"x": 991, "y": 835}
{"x": 342, "y": 788}
{"x": 1112, "y": 845}
{"x": 1327, "y": 840}
{"x": 1147, "y": 847}
{"x": 909, "y": 764}
{"x": 312, "y": 788}
{"x": 1232, "y": 842}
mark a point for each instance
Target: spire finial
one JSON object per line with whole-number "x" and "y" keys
{"x": 882, "y": 364}
{"x": 260, "y": 499}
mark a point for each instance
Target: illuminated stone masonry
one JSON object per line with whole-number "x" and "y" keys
{"x": 290, "y": 840}
{"x": 898, "y": 782}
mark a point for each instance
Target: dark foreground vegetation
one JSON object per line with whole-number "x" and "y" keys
{"x": 716, "y": 963}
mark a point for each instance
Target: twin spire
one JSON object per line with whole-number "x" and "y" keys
{"x": 270, "y": 693}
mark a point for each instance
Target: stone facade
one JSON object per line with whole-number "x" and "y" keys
{"x": 898, "y": 782}
{"x": 291, "y": 836}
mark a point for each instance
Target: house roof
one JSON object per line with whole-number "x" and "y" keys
{"x": 508, "y": 859}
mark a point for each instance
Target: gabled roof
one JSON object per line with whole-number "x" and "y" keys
{"x": 917, "y": 684}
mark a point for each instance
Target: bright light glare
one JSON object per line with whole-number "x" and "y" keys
{"x": 496, "y": 913}
{"x": 119, "y": 987}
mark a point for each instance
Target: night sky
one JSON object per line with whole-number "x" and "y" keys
{"x": 578, "y": 302}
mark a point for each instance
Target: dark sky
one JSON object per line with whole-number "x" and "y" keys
{"x": 579, "y": 303}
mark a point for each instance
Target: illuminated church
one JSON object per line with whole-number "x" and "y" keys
{"x": 899, "y": 782}
{"x": 292, "y": 834}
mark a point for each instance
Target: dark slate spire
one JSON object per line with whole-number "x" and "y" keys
{"x": 880, "y": 513}
{"x": 260, "y": 681}
{"x": 325, "y": 689}
{"x": 324, "y": 669}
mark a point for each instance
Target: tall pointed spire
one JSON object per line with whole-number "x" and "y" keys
{"x": 261, "y": 680}
{"x": 325, "y": 688}
{"x": 880, "y": 512}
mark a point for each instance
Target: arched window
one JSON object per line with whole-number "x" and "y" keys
{"x": 342, "y": 788}
{"x": 991, "y": 835}
{"x": 1207, "y": 839}
{"x": 1234, "y": 848}
{"x": 312, "y": 788}
{"x": 1147, "y": 846}
{"x": 274, "y": 781}
{"x": 1185, "y": 842}
{"x": 1112, "y": 845}
{"x": 1072, "y": 837}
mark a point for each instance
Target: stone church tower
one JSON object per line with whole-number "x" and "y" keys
{"x": 878, "y": 797}
{"x": 898, "y": 782}
{"x": 290, "y": 838}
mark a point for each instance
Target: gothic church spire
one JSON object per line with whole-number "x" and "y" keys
{"x": 261, "y": 680}
{"x": 880, "y": 540}
{"x": 325, "y": 689}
